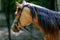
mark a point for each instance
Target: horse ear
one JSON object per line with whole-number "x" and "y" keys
{"x": 32, "y": 9}
{"x": 19, "y": 5}
{"x": 24, "y": 2}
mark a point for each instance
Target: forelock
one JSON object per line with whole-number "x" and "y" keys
{"x": 32, "y": 9}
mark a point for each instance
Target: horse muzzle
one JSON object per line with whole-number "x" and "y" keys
{"x": 15, "y": 29}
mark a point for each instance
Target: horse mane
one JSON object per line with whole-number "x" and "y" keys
{"x": 48, "y": 18}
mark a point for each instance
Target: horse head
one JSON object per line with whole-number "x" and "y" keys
{"x": 23, "y": 17}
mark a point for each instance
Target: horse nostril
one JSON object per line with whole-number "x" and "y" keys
{"x": 15, "y": 29}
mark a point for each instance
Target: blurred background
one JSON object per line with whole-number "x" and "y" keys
{"x": 7, "y": 9}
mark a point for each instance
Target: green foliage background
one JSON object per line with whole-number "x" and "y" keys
{"x": 45, "y": 3}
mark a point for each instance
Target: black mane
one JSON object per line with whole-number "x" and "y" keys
{"x": 50, "y": 20}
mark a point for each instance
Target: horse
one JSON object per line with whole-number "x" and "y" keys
{"x": 47, "y": 21}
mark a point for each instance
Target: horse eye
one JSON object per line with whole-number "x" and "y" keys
{"x": 19, "y": 9}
